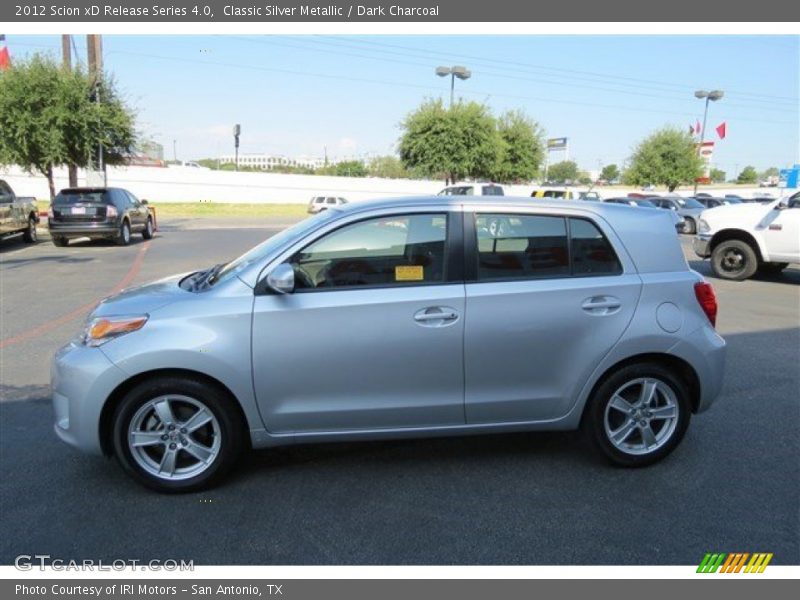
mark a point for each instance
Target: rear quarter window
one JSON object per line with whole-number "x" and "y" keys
{"x": 590, "y": 251}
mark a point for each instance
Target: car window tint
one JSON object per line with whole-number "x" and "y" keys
{"x": 76, "y": 196}
{"x": 521, "y": 246}
{"x": 397, "y": 250}
{"x": 591, "y": 252}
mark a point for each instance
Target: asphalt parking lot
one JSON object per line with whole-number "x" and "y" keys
{"x": 733, "y": 484}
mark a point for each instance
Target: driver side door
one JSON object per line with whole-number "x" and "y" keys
{"x": 371, "y": 338}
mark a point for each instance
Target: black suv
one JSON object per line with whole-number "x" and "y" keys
{"x": 106, "y": 213}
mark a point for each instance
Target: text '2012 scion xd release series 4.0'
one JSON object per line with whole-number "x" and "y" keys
{"x": 401, "y": 318}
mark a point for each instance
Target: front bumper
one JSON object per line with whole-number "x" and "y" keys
{"x": 82, "y": 379}
{"x": 701, "y": 245}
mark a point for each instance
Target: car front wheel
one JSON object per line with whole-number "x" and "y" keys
{"x": 177, "y": 434}
{"x": 639, "y": 415}
{"x": 689, "y": 226}
{"x": 734, "y": 259}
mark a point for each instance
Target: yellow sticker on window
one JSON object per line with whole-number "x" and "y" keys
{"x": 411, "y": 273}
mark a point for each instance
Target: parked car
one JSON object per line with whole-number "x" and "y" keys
{"x": 417, "y": 320}
{"x": 565, "y": 194}
{"x": 688, "y": 208}
{"x": 488, "y": 189}
{"x": 710, "y": 202}
{"x": 748, "y": 238}
{"x": 18, "y": 214}
{"x": 677, "y": 220}
{"x": 319, "y": 203}
{"x": 98, "y": 213}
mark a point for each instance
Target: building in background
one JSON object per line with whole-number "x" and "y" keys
{"x": 268, "y": 162}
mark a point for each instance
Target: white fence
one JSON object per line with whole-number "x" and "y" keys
{"x": 191, "y": 184}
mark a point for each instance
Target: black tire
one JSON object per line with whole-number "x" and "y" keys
{"x": 595, "y": 414}
{"x": 689, "y": 226}
{"x": 124, "y": 236}
{"x": 30, "y": 235}
{"x": 60, "y": 241}
{"x": 230, "y": 426}
{"x": 771, "y": 268}
{"x": 147, "y": 232}
{"x": 734, "y": 259}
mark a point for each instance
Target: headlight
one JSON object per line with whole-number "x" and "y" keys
{"x": 102, "y": 329}
{"x": 702, "y": 226}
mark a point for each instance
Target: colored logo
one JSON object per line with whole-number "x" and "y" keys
{"x": 735, "y": 562}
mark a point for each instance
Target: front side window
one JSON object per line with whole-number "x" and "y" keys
{"x": 521, "y": 246}
{"x": 395, "y": 250}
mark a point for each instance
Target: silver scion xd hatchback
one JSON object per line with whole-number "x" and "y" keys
{"x": 401, "y": 318}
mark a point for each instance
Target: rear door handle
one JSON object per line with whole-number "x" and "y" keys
{"x": 601, "y": 305}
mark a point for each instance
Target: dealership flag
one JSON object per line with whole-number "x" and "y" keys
{"x": 5, "y": 60}
{"x": 721, "y": 130}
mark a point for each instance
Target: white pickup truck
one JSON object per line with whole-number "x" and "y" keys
{"x": 744, "y": 238}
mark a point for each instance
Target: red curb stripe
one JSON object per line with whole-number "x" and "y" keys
{"x": 133, "y": 271}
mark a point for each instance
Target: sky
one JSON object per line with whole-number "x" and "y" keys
{"x": 300, "y": 95}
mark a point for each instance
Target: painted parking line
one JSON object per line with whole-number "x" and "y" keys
{"x": 134, "y": 269}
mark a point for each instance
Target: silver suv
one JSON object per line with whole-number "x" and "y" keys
{"x": 319, "y": 203}
{"x": 401, "y": 318}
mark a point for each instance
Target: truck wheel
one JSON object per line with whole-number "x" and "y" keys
{"x": 30, "y": 235}
{"x": 124, "y": 235}
{"x": 60, "y": 241}
{"x": 689, "y": 226}
{"x": 734, "y": 259}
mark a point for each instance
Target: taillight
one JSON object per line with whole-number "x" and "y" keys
{"x": 111, "y": 211}
{"x": 707, "y": 300}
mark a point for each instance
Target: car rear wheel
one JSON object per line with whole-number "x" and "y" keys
{"x": 638, "y": 415}
{"x": 734, "y": 259}
{"x": 30, "y": 234}
{"x": 177, "y": 434}
{"x": 147, "y": 232}
{"x": 60, "y": 241}
{"x": 124, "y": 235}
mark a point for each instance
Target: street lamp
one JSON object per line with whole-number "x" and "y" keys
{"x": 711, "y": 96}
{"x": 460, "y": 72}
{"x": 237, "y": 131}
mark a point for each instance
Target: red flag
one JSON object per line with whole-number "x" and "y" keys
{"x": 721, "y": 130}
{"x": 697, "y": 127}
{"x": 5, "y": 59}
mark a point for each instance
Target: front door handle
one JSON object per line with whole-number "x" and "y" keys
{"x": 435, "y": 315}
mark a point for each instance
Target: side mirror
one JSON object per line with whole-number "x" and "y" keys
{"x": 281, "y": 279}
{"x": 144, "y": 202}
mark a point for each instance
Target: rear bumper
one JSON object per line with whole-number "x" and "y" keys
{"x": 701, "y": 245}
{"x": 101, "y": 229}
{"x": 705, "y": 350}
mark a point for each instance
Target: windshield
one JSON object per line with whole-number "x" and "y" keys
{"x": 269, "y": 245}
{"x": 689, "y": 203}
{"x": 645, "y": 203}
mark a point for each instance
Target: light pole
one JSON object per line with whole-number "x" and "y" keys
{"x": 711, "y": 96}
{"x": 461, "y": 72}
{"x": 237, "y": 131}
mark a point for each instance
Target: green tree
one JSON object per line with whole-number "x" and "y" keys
{"x": 388, "y": 167}
{"x": 350, "y": 168}
{"x": 771, "y": 172}
{"x": 610, "y": 173}
{"x": 718, "y": 175}
{"x": 668, "y": 157}
{"x": 452, "y": 143}
{"x": 563, "y": 172}
{"x": 748, "y": 175}
{"x": 50, "y": 117}
{"x": 521, "y": 151}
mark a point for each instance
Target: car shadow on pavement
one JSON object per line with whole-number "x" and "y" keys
{"x": 530, "y": 498}
{"x": 15, "y": 263}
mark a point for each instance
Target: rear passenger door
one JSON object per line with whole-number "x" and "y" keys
{"x": 547, "y": 297}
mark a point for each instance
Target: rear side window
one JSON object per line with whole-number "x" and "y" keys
{"x": 532, "y": 246}
{"x": 590, "y": 251}
{"x": 77, "y": 196}
{"x": 492, "y": 190}
{"x": 521, "y": 246}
